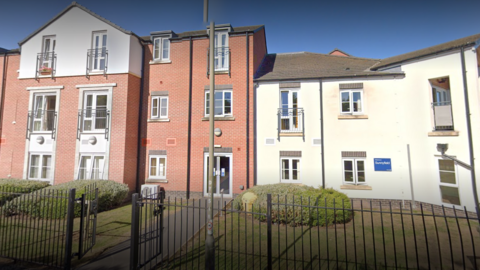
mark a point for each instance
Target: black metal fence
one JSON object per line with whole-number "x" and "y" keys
{"x": 306, "y": 233}
{"x": 38, "y": 227}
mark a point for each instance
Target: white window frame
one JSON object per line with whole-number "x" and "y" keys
{"x": 290, "y": 170}
{"x": 455, "y": 165}
{"x": 103, "y": 46}
{"x": 40, "y": 166}
{"x": 35, "y": 108}
{"x": 218, "y": 57}
{"x": 350, "y": 96}
{"x": 47, "y": 59}
{"x": 290, "y": 105}
{"x": 354, "y": 171}
{"x": 158, "y": 115}
{"x": 223, "y": 103}
{"x": 90, "y": 167}
{"x": 94, "y": 109}
{"x": 161, "y": 47}
{"x": 157, "y": 161}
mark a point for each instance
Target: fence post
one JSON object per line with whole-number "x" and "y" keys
{"x": 69, "y": 232}
{"x": 134, "y": 238}
{"x": 269, "y": 231}
{"x": 82, "y": 226}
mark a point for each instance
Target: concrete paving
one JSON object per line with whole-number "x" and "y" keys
{"x": 179, "y": 224}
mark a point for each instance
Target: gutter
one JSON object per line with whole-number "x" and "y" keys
{"x": 139, "y": 131}
{"x": 333, "y": 77}
{"x": 248, "y": 109}
{"x": 189, "y": 144}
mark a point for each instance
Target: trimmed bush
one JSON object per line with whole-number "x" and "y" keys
{"x": 51, "y": 202}
{"x": 320, "y": 200}
{"x": 17, "y": 186}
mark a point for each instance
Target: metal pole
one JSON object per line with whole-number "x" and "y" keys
{"x": 269, "y": 231}
{"x": 410, "y": 174}
{"x": 210, "y": 241}
{"x": 69, "y": 233}
{"x": 134, "y": 234}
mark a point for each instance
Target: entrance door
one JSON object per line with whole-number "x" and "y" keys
{"x": 222, "y": 165}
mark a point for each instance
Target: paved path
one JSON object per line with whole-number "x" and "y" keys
{"x": 176, "y": 233}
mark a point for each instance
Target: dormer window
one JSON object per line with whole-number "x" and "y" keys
{"x": 161, "y": 49}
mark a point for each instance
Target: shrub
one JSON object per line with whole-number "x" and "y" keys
{"x": 52, "y": 201}
{"x": 11, "y": 188}
{"x": 322, "y": 202}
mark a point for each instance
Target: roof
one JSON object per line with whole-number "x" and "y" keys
{"x": 2, "y": 50}
{"x": 307, "y": 65}
{"x": 451, "y": 45}
{"x": 198, "y": 33}
{"x": 72, "y": 5}
{"x": 338, "y": 50}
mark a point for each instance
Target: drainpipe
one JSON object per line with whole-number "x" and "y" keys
{"x": 2, "y": 96}
{"x": 255, "y": 85}
{"x": 321, "y": 132}
{"x": 469, "y": 132}
{"x": 189, "y": 146}
{"x": 139, "y": 132}
{"x": 248, "y": 112}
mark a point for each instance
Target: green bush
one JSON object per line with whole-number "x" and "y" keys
{"x": 11, "y": 188}
{"x": 51, "y": 202}
{"x": 286, "y": 195}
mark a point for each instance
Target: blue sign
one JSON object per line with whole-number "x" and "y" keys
{"x": 383, "y": 164}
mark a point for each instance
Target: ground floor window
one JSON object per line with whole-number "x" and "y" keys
{"x": 158, "y": 167}
{"x": 448, "y": 182}
{"x": 354, "y": 171}
{"x": 91, "y": 167}
{"x": 40, "y": 166}
{"x": 290, "y": 169}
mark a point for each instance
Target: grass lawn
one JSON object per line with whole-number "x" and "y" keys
{"x": 241, "y": 243}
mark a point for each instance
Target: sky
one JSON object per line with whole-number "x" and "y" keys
{"x": 368, "y": 28}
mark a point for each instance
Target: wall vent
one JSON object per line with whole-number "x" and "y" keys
{"x": 269, "y": 141}
{"x": 171, "y": 141}
{"x": 316, "y": 141}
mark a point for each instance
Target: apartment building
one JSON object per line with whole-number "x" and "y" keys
{"x": 370, "y": 127}
{"x": 70, "y": 101}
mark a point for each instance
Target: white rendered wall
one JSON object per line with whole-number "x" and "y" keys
{"x": 135, "y": 59}
{"x": 73, "y": 32}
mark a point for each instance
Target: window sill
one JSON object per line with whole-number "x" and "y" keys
{"x": 356, "y": 187}
{"x": 226, "y": 118}
{"x": 153, "y": 120}
{"x": 99, "y": 72}
{"x": 156, "y": 62}
{"x": 349, "y": 116}
{"x": 149, "y": 180}
{"x": 291, "y": 134}
{"x": 443, "y": 133}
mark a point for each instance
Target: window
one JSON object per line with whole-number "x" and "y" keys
{"x": 48, "y": 49}
{"x": 95, "y": 111}
{"x": 289, "y": 112}
{"x": 40, "y": 167}
{"x": 161, "y": 49}
{"x": 448, "y": 182}
{"x": 91, "y": 167}
{"x": 158, "y": 167}
{"x": 354, "y": 171}
{"x": 290, "y": 169}
{"x": 99, "y": 51}
{"x": 351, "y": 101}
{"x": 441, "y": 104}
{"x": 159, "y": 107}
{"x": 43, "y": 115}
{"x": 223, "y": 103}
{"x": 221, "y": 51}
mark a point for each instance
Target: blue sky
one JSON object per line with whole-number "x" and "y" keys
{"x": 372, "y": 29}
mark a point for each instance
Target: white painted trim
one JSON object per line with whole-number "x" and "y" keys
{"x": 96, "y": 85}
{"x": 205, "y": 171}
{"x": 45, "y": 88}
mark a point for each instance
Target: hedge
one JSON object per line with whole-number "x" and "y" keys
{"x": 51, "y": 202}
{"x": 18, "y": 186}
{"x": 299, "y": 195}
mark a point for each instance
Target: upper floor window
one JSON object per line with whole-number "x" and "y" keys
{"x": 223, "y": 103}
{"x": 159, "y": 107}
{"x": 48, "y": 49}
{"x": 98, "y": 55}
{"x": 43, "y": 114}
{"x": 441, "y": 103}
{"x": 351, "y": 101}
{"x": 221, "y": 51}
{"x": 95, "y": 113}
{"x": 290, "y": 112}
{"x": 161, "y": 49}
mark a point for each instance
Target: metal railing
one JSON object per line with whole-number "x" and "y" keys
{"x": 46, "y": 64}
{"x": 97, "y": 61}
{"x": 222, "y": 60}
{"x": 442, "y": 115}
{"x": 93, "y": 120}
{"x": 291, "y": 120}
{"x": 42, "y": 121}
{"x": 291, "y": 232}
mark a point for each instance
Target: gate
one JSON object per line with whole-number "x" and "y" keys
{"x": 88, "y": 220}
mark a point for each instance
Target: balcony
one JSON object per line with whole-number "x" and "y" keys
{"x": 97, "y": 61}
{"x": 442, "y": 115}
{"x": 93, "y": 121}
{"x": 221, "y": 59}
{"x": 291, "y": 122}
{"x": 41, "y": 121}
{"x": 46, "y": 64}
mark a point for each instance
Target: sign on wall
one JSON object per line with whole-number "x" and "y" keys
{"x": 383, "y": 164}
